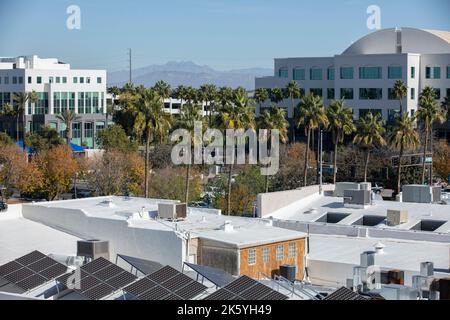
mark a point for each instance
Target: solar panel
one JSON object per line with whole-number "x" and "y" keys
{"x": 165, "y": 283}
{"x": 96, "y": 265}
{"x": 144, "y": 266}
{"x": 121, "y": 280}
{"x": 217, "y": 276}
{"x": 3, "y": 282}
{"x": 31, "y": 270}
{"x": 245, "y": 288}
{"x": 98, "y": 291}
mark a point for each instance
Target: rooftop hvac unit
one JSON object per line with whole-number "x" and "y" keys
{"x": 367, "y": 259}
{"x": 426, "y": 269}
{"x": 172, "y": 211}
{"x": 357, "y": 198}
{"x": 288, "y": 271}
{"x": 93, "y": 249}
{"x": 421, "y": 193}
{"x": 396, "y": 217}
{"x": 341, "y": 186}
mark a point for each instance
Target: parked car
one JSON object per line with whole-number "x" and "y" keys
{"x": 199, "y": 204}
{"x": 3, "y": 206}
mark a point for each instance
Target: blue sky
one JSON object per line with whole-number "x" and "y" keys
{"x": 224, "y": 34}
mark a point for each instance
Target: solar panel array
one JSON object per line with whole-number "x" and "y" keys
{"x": 245, "y": 288}
{"x": 31, "y": 271}
{"x": 98, "y": 279}
{"x": 165, "y": 284}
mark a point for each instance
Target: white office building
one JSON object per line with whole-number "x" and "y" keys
{"x": 364, "y": 73}
{"x": 59, "y": 88}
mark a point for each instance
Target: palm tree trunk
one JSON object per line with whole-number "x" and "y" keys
{"x": 366, "y": 165}
{"x": 24, "y": 127}
{"x": 401, "y": 106}
{"x": 425, "y": 147}
{"x": 229, "y": 189}
{"x": 293, "y": 128}
{"x": 335, "y": 160}
{"x": 318, "y": 156}
{"x": 431, "y": 149}
{"x": 147, "y": 151}
{"x": 399, "y": 170}
{"x": 305, "y": 168}
{"x": 17, "y": 127}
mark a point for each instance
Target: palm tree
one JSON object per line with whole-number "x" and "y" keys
{"x": 292, "y": 91}
{"x": 68, "y": 117}
{"x": 400, "y": 91}
{"x": 163, "y": 90}
{"x": 428, "y": 113}
{"x": 149, "y": 112}
{"x": 209, "y": 93}
{"x": 190, "y": 114}
{"x": 274, "y": 118}
{"x": 21, "y": 99}
{"x": 311, "y": 114}
{"x": 370, "y": 131}
{"x": 225, "y": 95}
{"x": 236, "y": 115}
{"x": 7, "y": 110}
{"x": 341, "y": 124}
{"x": 260, "y": 96}
{"x": 276, "y": 95}
{"x": 181, "y": 93}
{"x": 403, "y": 136}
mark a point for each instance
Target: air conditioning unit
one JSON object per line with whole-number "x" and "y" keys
{"x": 358, "y": 199}
{"x": 288, "y": 271}
{"x": 172, "y": 211}
{"x": 93, "y": 249}
{"x": 396, "y": 217}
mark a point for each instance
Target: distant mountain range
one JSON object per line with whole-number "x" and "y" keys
{"x": 189, "y": 74}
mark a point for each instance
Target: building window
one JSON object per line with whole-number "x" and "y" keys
{"x": 370, "y": 94}
{"x": 394, "y": 72}
{"x": 413, "y": 93}
{"x": 413, "y": 72}
{"x": 30, "y": 80}
{"x": 95, "y": 97}
{"x": 299, "y": 74}
{"x": 64, "y": 101}
{"x": 14, "y": 80}
{"x": 99, "y": 80}
{"x": 330, "y": 93}
{"x": 57, "y": 102}
{"x": 283, "y": 73}
{"x": 76, "y": 130}
{"x": 6, "y": 80}
{"x": 292, "y": 250}
{"x": 347, "y": 93}
{"x": 330, "y": 73}
{"x": 20, "y": 80}
{"x": 39, "y": 80}
{"x": 58, "y": 79}
{"x": 75, "y": 80}
{"x": 448, "y": 92}
{"x": 64, "y": 79}
{"x": 88, "y": 80}
{"x": 432, "y": 72}
{"x": 72, "y": 101}
{"x": 391, "y": 94}
{"x": 315, "y": 74}
{"x": 50, "y": 79}
{"x": 42, "y": 105}
{"x": 316, "y": 91}
{"x": 448, "y": 72}
{"x": 280, "y": 252}
{"x": 80, "y": 102}
{"x": 81, "y": 79}
{"x": 437, "y": 93}
{"x": 251, "y": 257}
{"x": 88, "y": 102}
{"x": 265, "y": 255}
{"x": 346, "y": 72}
{"x": 370, "y": 72}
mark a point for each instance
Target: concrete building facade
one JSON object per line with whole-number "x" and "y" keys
{"x": 365, "y": 73}
{"x": 59, "y": 88}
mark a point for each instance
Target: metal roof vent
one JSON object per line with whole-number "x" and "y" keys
{"x": 228, "y": 227}
{"x": 379, "y": 247}
{"x": 108, "y": 203}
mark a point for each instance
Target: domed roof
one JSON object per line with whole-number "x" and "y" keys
{"x": 412, "y": 41}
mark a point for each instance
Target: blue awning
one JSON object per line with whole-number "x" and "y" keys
{"x": 77, "y": 148}
{"x": 20, "y": 145}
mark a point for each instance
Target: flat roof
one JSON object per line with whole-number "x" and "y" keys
{"x": 301, "y": 211}
{"x": 203, "y": 223}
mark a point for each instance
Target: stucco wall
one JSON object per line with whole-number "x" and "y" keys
{"x": 158, "y": 245}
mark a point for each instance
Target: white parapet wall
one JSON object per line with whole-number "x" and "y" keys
{"x": 125, "y": 237}
{"x": 275, "y": 203}
{"x": 14, "y": 211}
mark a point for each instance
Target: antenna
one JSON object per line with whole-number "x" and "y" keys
{"x": 129, "y": 54}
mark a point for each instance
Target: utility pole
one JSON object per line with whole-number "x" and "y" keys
{"x": 129, "y": 54}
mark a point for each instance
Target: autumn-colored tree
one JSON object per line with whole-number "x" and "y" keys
{"x": 58, "y": 169}
{"x": 441, "y": 163}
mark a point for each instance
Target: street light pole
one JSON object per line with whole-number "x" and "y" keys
{"x": 321, "y": 162}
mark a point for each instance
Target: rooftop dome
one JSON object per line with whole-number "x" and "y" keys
{"x": 402, "y": 40}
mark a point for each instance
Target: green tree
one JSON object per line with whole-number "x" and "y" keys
{"x": 150, "y": 117}
{"x": 340, "y": 119}
{"x": 21, "y": 99}
{"x": 403, "y": 136}
{"x": 428, "y": 113}
{"x": 237, "y": 115}
{"x": 370, "y": 132}
{"x": 115, "y": 138}
{"x": 225, "y": 95}
{"x": 261, "y": 95}
{"x": 209, "y": 93}
{"x": 181, "y": 93}
{"x": 44, "y": 139}
{"x": 190, "y": 114}
{"x": 276, "y": 95}
{"x": 400, "y": 91}
{"x": 292, "y": 91}
{"x": 5, "y": 139}
{"x": 163, "y": 90}
{"x": 274, "y": 118}
{"x": 311, "y": 114}
{"x": 68, "y": 117}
